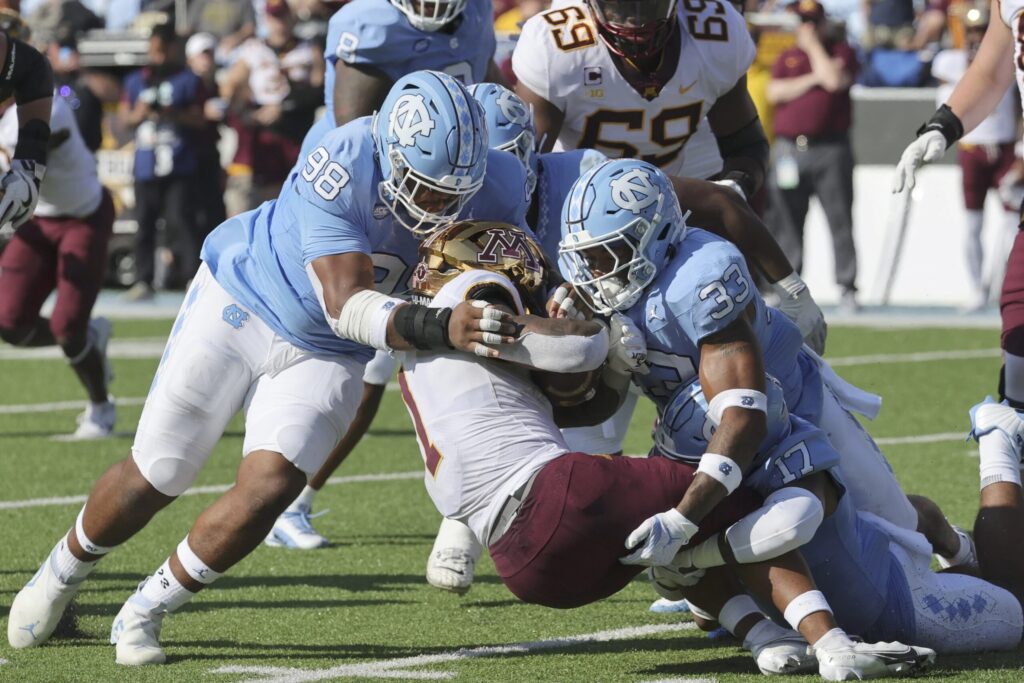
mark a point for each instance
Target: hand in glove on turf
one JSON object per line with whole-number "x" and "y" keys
{"x": 20, "y": 187}
{"x": 797, "y": 304}
{"x": 657, "y": 540}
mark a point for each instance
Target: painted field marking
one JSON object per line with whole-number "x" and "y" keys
{"x": 201, "y": 490}
{"x": 917, "y": 357}
{"x": 402, "y": 667}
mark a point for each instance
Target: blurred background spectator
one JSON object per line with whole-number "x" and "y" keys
{"x": 229, "y": 21}
{"x": 811, "y": 154}
{"x": 273, "y": 91}
{"x": 163, "y": 103}
{"x": 199, "y": 53}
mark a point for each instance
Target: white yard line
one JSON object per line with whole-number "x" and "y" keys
{"x": 201, "y": 490}
{"x": 919, "y": 357}
{"x": 921, "y": 438}
{"x": 402, "y": 667}
{"x": 17, "y": 409}
{"x": 134, "y": 347}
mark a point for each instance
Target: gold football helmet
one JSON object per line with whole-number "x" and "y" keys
{"x": 482, "y": 245}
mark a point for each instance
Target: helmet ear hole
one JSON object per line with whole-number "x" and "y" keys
{"x": 665, "y": 231}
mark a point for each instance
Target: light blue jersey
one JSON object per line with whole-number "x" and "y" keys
{"x": 556, "y": 173}
{"x": 330, "y": 205}
{"x": 702, "y": 290}
{"x": 374, "y": 33}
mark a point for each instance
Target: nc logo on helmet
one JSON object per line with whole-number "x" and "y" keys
{"x": 512, "y": 109}
{"x": 633, "y": 191}
{"x": 409, "y": 118}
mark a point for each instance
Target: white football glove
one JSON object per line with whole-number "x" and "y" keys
{"x": 928, "y": 147}
{"x": 796, "y": 303}
{"x": 627, "y": 349}
{"x": 657, "y": 540}
{"x": 20, "y": 188}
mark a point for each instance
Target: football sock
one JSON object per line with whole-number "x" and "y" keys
{"x": 68, "y": 568}
{"x": 195, "y": 567}
{"x": 999, "y": 460}
{"x": 963, "y": 553}
{"x": 765, "y": 631}
{"x": 836, "y": 639}
{"x": 304, "y": 501}
{"x": 164, "y": 589}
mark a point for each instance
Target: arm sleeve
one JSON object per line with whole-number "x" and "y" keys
{"x": 26, "y": 72}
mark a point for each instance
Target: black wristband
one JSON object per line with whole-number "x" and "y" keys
{"x": 33, "y": 142}
{"x": 947, "y": 123}
{"x": 424, "y": 327}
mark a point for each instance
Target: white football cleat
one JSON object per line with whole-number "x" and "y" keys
{"x": 38, "y": 607}
{"x": 451, "y": 569}
{"x": 293, "y": 529}
{"x": 453, "y": 558}
{"x": 787, "y": 654}
{"x": 96, "y": 421}
{"x": 136, "y": 631}
{"x": 873, "y": 660}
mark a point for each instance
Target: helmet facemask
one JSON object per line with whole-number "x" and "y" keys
{"x": 523, "y": 149}
{"x": 401, "y": 191}
{"x": 635, "y": 29}
{"x": 430, "y": 15}
{"x": 611, "y": 271}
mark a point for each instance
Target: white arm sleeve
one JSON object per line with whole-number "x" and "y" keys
{"x": 567, "y": 353}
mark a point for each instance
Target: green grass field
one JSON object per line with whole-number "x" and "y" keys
{"x": 361, "y": 609}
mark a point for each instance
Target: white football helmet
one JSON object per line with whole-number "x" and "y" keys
{"x": 430, "y": 15}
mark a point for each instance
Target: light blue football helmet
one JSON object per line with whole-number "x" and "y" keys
{"x": 509, "y": 125}
{"x": 431, "y": 138}
{"x": 430, "y": 15}
{"x": 618, "y": 224}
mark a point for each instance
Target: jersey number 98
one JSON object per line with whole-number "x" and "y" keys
{"x": 326, "y": 176}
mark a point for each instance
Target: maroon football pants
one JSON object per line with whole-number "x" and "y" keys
{"x": 563, "y": 548}
{"x": 69, "y": 254}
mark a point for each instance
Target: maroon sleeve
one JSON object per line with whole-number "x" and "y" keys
{"x": 844, "y": 52}
{"x": 779, "y": 68}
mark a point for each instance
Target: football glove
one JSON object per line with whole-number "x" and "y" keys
{"x": 796, "y": 303}
{"x": 20, "y": 188}
{"x": 928, "y": 147}
{"x": 657, "y": 540}
{"x": 627, "y": 350}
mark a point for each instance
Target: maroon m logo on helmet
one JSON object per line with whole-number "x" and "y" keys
{"x": 502, "y": 243}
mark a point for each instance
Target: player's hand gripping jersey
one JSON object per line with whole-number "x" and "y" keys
{"x": 561, "y": 58}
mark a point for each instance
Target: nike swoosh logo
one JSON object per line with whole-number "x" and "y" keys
{"x": 685, "y": 89}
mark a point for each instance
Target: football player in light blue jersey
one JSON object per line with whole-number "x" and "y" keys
{"x": 373, "y": 43}
{"x": 684, "y": 287}
{"x": 279, "y": 323}
{"x": 875, "y": 576}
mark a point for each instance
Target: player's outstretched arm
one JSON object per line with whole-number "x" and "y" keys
{"x": 732, "y": 376}
{"x": 721, "y": 211}
{"x": 25, "y": 74}
{"x": 358, "y": 91}
{"x": 973, "y": 99}
{"x": 741, "y": 139}
{"x": 547, "y": 118}
{"x": 355, "y": 311}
